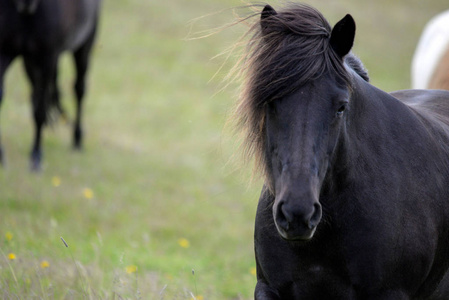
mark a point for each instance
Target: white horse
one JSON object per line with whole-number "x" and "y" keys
{"x": 432, "y": 47}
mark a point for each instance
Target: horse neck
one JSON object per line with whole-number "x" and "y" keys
{"x": 368, "y": 103}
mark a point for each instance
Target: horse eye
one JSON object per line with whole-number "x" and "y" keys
{"x": 340, "y": 110}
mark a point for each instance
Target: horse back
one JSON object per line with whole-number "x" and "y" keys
{"x": 432, "y": 106}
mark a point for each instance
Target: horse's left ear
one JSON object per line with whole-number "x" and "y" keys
{"x": 342, "y": 36}
{"x": 267, "y": 12}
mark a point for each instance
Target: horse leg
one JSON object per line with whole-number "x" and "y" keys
{"x": 264, "y": 292}
{"x": 442, "y": 292}
{"x": 81, "y": 57}
{"x": 56, "y": 95}
{"x": 4, "y": 63}
{"x": 40, "y": 73}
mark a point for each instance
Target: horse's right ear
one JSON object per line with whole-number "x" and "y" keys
{"x": 267, "y": 12}
{"x": 342, "y": 36}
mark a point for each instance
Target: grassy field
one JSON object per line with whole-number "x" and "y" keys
{"x": 155, "y": 207}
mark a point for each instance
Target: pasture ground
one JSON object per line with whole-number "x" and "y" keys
{"x": 156, "y": 193}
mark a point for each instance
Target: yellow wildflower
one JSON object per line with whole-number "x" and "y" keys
{"x": 63, "y": 119}
{"x": 184, "y": 243}
{"x": 253, "y": 271}
{"x": 88, "y": 193}
{"x": 8, "y": 236}
{"x": 45, "y": 264}
{"x": 56, "y": 181}
{"x": 131, "y": 269}
{"x": 11, "y": 256}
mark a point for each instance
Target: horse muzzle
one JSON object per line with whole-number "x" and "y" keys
{"x": 296, "y": 222}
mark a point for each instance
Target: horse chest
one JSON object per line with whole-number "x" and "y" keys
{"x": 310, "y": 281}
{"x": 301, "y": 272}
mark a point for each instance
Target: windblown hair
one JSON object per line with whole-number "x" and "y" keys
{"x": 285, "y": 51}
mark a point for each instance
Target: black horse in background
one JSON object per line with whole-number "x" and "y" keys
{"x": 39, "y": 31}
{"x": 356, "y": 197}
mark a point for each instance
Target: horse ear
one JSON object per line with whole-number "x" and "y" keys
{"x": 267, "y": 12}
{"x": 342, "y": 36}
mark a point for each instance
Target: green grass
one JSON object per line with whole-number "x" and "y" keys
{"x": 157, "y": 157}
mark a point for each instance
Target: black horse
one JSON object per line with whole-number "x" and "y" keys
{"x": 356, "y": 197}
{"x": 40, "y": 31}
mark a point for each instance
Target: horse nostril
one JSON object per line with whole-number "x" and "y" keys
{"x": 316, "y": 216}
{"x": 282, "y": 216}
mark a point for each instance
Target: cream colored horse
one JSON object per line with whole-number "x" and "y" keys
{"x": 430, "y": 65}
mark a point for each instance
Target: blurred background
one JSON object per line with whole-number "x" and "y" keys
{"x": 156, "y": 206}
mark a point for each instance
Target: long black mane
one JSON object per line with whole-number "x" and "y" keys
{"x": 288, "y": 50}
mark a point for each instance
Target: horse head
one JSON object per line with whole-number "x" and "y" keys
{"x": 26, "y": 7}
{"x": 302, "y": 131}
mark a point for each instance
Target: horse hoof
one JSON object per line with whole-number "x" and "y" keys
{"x": 2, "y": 159}
{"x": 77, "y": 147}
{"x": 35, "y": 165}
{"x": 77, "y": 139}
